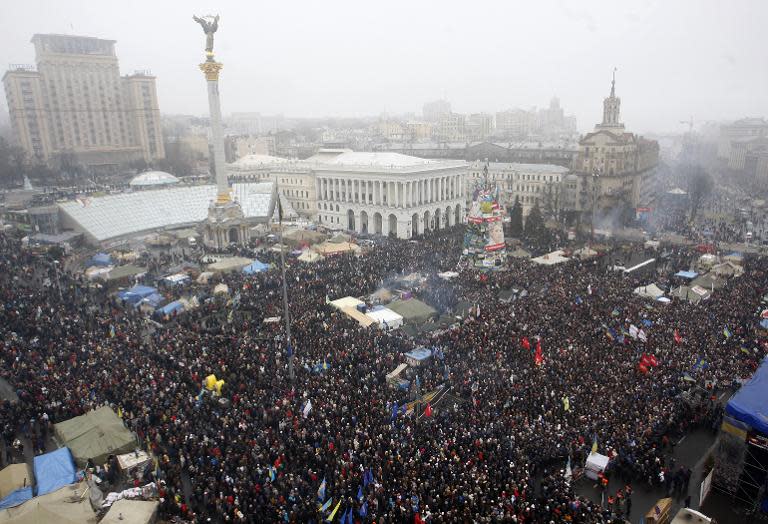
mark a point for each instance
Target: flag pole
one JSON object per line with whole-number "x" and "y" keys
{"x": 286, "y": 312}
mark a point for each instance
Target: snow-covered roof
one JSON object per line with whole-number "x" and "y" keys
{"x": 257, "y": 160}
{"x": 124, "y": 214}
{"x": 153, "y": 178}
{"x": 366, "y": 159}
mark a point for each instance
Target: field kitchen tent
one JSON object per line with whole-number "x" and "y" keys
{"x": 66, "y": 505}
{"x": 412, "y": 310}
{"x": 13, "y": 477}
{"x": 95, "y": 435}
{"x": 229, "y": 264}
{"x": 125, "y": 511}
{"x": 15, "y": 485}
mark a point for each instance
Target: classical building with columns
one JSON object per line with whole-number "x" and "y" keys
{"x": 388, "y": 193}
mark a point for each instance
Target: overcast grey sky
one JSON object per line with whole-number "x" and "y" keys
{"x": 705, "y": 58}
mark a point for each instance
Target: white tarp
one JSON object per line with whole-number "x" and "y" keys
{"x": 396, "y": 372}
{"x": 651, "y": 291}
{"x": 341, "y": 303}
{"x": 550, "y": 259}
{"x": 596, "y": 463}
{"x": 448, "y": 275}
{"x": 386, "y": 318}
{"x": 221, "y": 288}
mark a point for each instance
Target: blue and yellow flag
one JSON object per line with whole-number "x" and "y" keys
{"x": 727, "y": 332}
{"x": 333, "y": 513}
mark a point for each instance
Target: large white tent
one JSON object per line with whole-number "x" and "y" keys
{"x": 651, "y": 291}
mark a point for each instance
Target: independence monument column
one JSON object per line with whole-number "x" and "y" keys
{"x": 226, "y": 223}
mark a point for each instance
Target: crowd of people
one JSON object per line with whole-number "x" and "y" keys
{"x": 528, "y": 384}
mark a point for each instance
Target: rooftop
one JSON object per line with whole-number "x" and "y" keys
{"x": 113, "y": 216}
{"x": 153, "y": 178}
{"x": 258, "y": 160}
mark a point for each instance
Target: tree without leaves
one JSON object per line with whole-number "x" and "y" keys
{"x": 700, "y": 186}
{"x": 12, "y": 164}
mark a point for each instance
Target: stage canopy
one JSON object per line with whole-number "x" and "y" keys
{"x": 750, "y": 404}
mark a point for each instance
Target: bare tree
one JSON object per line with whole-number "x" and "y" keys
{"x": 700, "y": 186}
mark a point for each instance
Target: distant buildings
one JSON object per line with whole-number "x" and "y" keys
{"x": 616, "y": 169}
{"x": 432, "y": 111}
{"x": 76, "y": 108}
{"x": 548, "y": 122}
{"x": 530, "y": 184}
{"x": 740, "y": 130}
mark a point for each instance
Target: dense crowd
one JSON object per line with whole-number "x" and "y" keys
{"x": 492, "y": 449}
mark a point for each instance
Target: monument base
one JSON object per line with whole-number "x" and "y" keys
{"x": 226, "y": 225}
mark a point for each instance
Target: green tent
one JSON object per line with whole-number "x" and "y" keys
{"x": 95, "y": 435}
{"x": 413, "y": 310}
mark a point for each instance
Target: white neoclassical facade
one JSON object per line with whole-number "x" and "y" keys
{"x": 388, "y": 193}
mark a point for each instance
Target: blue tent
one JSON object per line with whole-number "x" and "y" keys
{"x": 100, "y": 259}
{"x": 687, "y": 274}
{"x": 171, "y": 307}
{"x": 154, "y": 300}
{"x": 136, "y": 293}
{"x": 16, "y": 498}
{"x": 764, "y": 323}
{"x": 54, "y": 470}
{"x": 750, "y": 404}
{"x": 255, "y": 267}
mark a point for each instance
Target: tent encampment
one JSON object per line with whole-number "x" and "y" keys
{"x": 125, "y": 511}
{"x": 95, "y": 435}
{"x": 255, "y": 267}
{"x": 53, "y": 470}
{"x": 66, "y": 505}
{"x": 651, "y": 291}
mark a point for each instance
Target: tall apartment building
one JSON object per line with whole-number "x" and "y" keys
{"x": 432, "y": 111}
{"x": 75, "y": 102}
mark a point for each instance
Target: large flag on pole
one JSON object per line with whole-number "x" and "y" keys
{"x": 321, "y": 491}
{"x": 538, "y": 358}
{"x": 678, "y": 338}
{"x": 333, "y": 513}
{"x": 568, "y": 471}
{"x": 594, "y": 444}
{"x": 307, "y": 409}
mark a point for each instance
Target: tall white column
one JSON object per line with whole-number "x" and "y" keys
{"x": 211, "y": 70}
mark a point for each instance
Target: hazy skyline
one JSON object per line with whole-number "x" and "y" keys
{"x": 312, "y": 59}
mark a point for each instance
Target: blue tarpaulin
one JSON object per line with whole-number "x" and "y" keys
{"x": 687, "y": 274}
{"x": 154, "y": 300}
{"x": 255, "y": 267}
{"x": 750, "y": 404}
{"x": 172, "y": 307}
{"x": 136, "y": 293}
{"x": 54, "y": 470}
{"x": 100, "y": 259}
{"x": 16, "y": 498}
{"x": 764, "y": 323}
